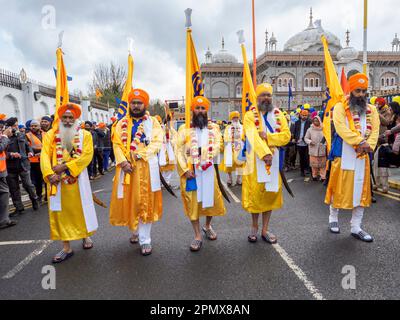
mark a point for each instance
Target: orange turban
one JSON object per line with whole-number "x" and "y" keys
{"x": 139, "y": 94}
{"x": 358, "y": 81}
{"x": 102, "y": 125}
{"x": 2, "y": 116}
{"x": 304, "y": 112}
{"x": 264, "y": 87}
{"x": 74, "y": 108}
{"x": 201, "y": 101}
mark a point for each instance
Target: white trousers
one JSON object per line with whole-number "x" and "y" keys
{"x": 356, "y": 217}
{"x": 144, "y": 231}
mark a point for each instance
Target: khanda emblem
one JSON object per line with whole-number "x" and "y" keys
{"x": 122, "y": 109}
{"x": 248, "y": 102}
{"x": 197, "y": 84}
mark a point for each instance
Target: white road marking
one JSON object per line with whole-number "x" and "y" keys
{"x": 6, "y": 243}
{"x": 27, "y": 260}
{"x": 97, "y": 191}
{"x": 290, "y": 180}
{"x": 299, "y": 273}
{"x": 236, "y": 199}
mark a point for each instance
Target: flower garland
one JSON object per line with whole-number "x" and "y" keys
{"x": 138, "y": 135}
{"x": 76, "y": 153}
{"x": 357, "y": 124}
{"x": 194, "y": 148}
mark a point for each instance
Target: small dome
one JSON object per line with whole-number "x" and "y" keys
{"x": 348, "y": 53}
{"x": 223, "y": 56}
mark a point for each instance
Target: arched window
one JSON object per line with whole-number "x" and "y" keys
{"x": 280, "y": 83}
{"x": 383, "y": 82}
{"x": 392, "y": 82}
{"x": 239, "y": 90}
{"x": 316, "y": 82}
{"x": 220, "y": 90}
{"x": 285, "y": 83}
{"x": 311, "y": 83}
{"x": 306, "y": 83}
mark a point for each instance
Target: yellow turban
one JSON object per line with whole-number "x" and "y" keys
{"x": 234, "y": 114}
{"x": 373, "y": 100}
{"x": 396, "y": 99}
{"x": 307, "y": 106}
{"x": 264, "y": 87}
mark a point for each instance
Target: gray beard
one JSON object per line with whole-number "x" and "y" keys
{"x": 266, "y": 107}
{"x": 67, "y": 136}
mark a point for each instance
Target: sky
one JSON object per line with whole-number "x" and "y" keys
{"x": 96, "y": 32}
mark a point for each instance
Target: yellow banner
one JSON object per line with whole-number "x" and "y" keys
{"x": 62, "y": 96}
{"x": 194, "y": 81}
{"x": 335, "y": 92}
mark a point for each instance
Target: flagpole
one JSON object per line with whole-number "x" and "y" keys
{"x": 365, "y": 37}
{"x": 254, "y": 45}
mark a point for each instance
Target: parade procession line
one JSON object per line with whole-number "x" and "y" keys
{"x": 29, "y": 258}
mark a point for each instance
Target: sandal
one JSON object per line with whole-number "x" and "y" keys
{"x": 252, "y": 237}
{"x": 146, "y": 249}
{"x": 196, "y": 245}
{"x": 210, "y": 233}
{"x": 134, "y": 239}
{"x": 62, "y": 256}
{"x": 87, "y": 243}
{"x": 270, "y": 238}
{"x": 9, "y": 224}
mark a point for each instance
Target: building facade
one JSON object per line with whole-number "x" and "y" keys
{"x": 28, "y": 99}
{"x": 299, "y": 65}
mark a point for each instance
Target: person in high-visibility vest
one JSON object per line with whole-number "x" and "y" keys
{"x": 34, "y": 137}
{"x": 5, "y": 221}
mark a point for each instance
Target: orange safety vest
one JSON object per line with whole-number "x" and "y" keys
{"x": 36, "y": 144}
{"x": 3, "y": 166}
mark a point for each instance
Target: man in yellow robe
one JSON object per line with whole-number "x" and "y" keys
{"x": 196, "y": 149}
{"x": 136, "y": 200}
{"x": 357, "y": 130}
{"x": 262, "y": 185}
{"x": 65, "y": 155}
{"x": 232, "y": 147}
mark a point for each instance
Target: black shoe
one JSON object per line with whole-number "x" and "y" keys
{"x": 373, "y": 199}
{"x": 315, "y": 179}
{"x": 17, "y": 212}
{"x": 35, "y": 204}
{"x": 363, "y": 236}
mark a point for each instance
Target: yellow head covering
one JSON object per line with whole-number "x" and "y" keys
{"x": 373, "y": 100}
{"x": 307, "y": 106}
{"x": 396, "y": 99}
{"x": 264, "y": 87}
{"x": 234, "y": 114}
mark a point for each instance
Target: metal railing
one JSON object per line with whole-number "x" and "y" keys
{"x": 9, "y": 79}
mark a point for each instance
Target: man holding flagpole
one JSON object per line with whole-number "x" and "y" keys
{"x": 66, "y": 152}
{"x": 198, "y": 144}
{"x": 266, "y": 131}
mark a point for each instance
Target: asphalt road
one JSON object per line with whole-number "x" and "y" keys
{"x": 307, "y": 263}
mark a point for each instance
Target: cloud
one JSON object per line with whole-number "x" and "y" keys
{"x": 96, "y": 32}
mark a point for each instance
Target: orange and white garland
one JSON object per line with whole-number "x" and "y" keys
{"x": 357, "y": 124}
{"x": 76, "y": 153}
{"x": 194, "y": 148}
{"x": 138, "y": 135}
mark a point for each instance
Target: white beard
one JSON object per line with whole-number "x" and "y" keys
{"x": 67, "y": 136}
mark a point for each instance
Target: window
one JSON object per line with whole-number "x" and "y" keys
{"x": 280, "y": 82}
{"x": 306, "y": 83}
{"x": 311, "y": 83}
{"x": 316, "y": 82}
{"x": 285, "y": 83}
{"x": 392, "y": 82}
{"x": 383, "y": 82}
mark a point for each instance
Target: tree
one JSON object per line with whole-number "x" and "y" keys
{"x": 157, "y": 107}
{"x": 110, "y": 81}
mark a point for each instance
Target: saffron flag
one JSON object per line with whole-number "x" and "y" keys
{"x": 344, "y": 83}
{"x": 123, "y": 105}
{"x": 335, "y": 92}
{"x": 194, "y": 81}
{"x": 62, "y": 95}
{"x": 98, "y": 94}
{"x": 249, "y": 96}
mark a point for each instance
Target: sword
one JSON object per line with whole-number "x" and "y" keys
{"x": 285, "y": 183}
{"x": 220, "y": 185}
{"x": 167, "y": 186}
{"x": 98, "y": 201}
